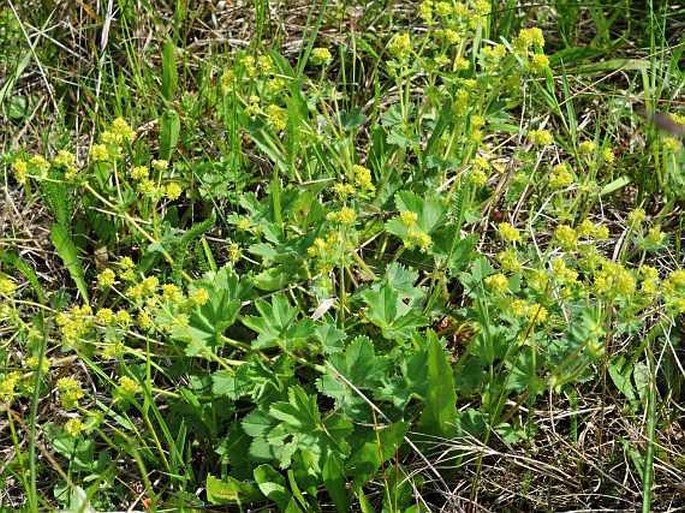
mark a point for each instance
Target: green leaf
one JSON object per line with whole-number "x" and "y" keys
{"x": 208, "y": 322}
{"x": 334, "y": 479}
{"x": 169, "y": 71}
{"x": 230, "y": 490}
{"x": 430, "y": 209}
{"x": 440, "y": 410}
{"x": 360, "y": 365}
{"x": 170, "y": 128}
{"x": 66, "y": 249}
{"x": 374, "y": 447}
{"x": 277, "y": 325}
{"x": 272, "y": 485}
{"x": 394, "y": 317}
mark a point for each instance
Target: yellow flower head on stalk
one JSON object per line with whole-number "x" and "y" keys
{"x": 64, "y": 158}
{"x": 139, "y": 173}
{"x": 20, "y": 170}
{"x": 173, "y": 191}
{"x": 540, "y": 137}
{"x": 362, "y": 178}
{"x": 106, "y": 278}
{"x": 199, "y": 296}
{"x": 587, "y": 147}
{"x": 539, "y": 63}
{"x": 509, "y": 261}
{"x": 498, "y": 283}
{"x": 400, "y": 45}
{"x": 277, "y": 117}
{"x": 636, "y": 217}
{"x": 99, "y": 153}
{"x": 321, "y": 56}
{"x": 566, "y": 237}
{"x": 74, "y": 426}
{"x": 529, "y": 37}
{"x": 561, "y": 176}
{"x": 122, "y": 130}
{"x": 508, "y": 233}
{"x": 128, "y": 387}
{"x": 7, "y": 286}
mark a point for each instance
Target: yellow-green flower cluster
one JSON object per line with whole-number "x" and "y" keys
{"x": 173, "y": 191}
{"x": 563, "y": 275}
{"x": 590, "y": 230}
{"x": 509, "y": 261}
{"x": 70, "y": 392}
{"x": 128, "y": 387}
{"x": 497, "y": 283}
{"x": 127, "y": 269}
{"x": 534, "y": 313}
{"x": 99, "y": 153}
{"x": 587, "y": 147}
{"x": 277, "y": 117}
{"x": 529, "y": 44}
{"x": 8, "y": 385}
{"x": 7, "y": 286}
{"x": 139, "y": 173}
{"x": 106, "y": 278}
{"x": 540, "y": 137}
{"x": 362, "y": 178}
{"x": 614, "y": 280}
{"x": 415, "y": 237}
{"x": 144, "y": 289}
{"x": 321, "y": 56}
{"x": 400, "y": 45}
{"x": 528, "y": 38}
{"x": 566, "y": 237}
{"x": 74, "y": 426}
{"x": 345, "y": 216}
{"x": 199, "y": 296}
{"x": 20, "y": 170}
{"x": 172, "y": 293}
{"x": 75, "y": 324}
{"x": 508, "y": 233}
{"x": 561, "y": 176}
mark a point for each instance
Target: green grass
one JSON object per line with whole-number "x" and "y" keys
{"x": 392, "y": 257}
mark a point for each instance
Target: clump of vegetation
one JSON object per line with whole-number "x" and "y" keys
{"x": 350, "y": 278}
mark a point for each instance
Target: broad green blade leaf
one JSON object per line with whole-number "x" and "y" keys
{"x": 440, "y": 410}
{"x": 170, "y": 128}
{"x": 230, "y": 490}
{"x": 169, "y": 71}
{"x": 334, "y": 480}
{"x": 66, "y": 249}
{"x": 272, "y": 485}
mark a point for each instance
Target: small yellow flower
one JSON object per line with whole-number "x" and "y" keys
{"x": 74, "y": 426}
{"x": 587, "y": 147}
{"x": 608, "y": 155}
{"x": 264, "y": 63}
{"x": 478, "y": 177}
{"x": 343, "y": 190}
{"x": 173, "y": 191}
{"x": 99, "y": 153}
{"x": 7, "y": 286}
{"x": 498, "y": 283}
{"x": 566, "y": 237}
{"x": 199, "y": 297}
{"x": 70, "y": 391}
{"x": 8, "y": 386}
{"x": 106, "y": 278}
{"x": 540, "y": 137}
{"x": 40, "y": 164}
{"x": 508, "y": 232}
{"x": 235, "y": 253}
{"x": 277, "y": 117}
{"x": 654, "y": 237}
{"x": 636, "y": 217}
{"x": 64, "y": 158}
{"x": 494, "y": 54}
{"x": 150, "y": 285}
{"x": 139, "y": 173}
{"x": 462, "y": 64}
{"x": 128, "y": 386}
{"x": 321, "y": 56}
{"x": 561, "y": 176}
{"x": 672, "y": 144}
{"x": 20, "y": 169}
{"x": 123, "y": 318}
{"x": 362, "y": 178}
{"x": 105, "y": 316}
{"x": 144, "y": 320}
{"x": 539, "y": 63}
{"x": 160, "y": 165}
{"x": 172, "y": 293}
{"x": 400, "y": 45}
{"x": 509, "y": 261}
{"x": 408, "y": 218}
{"x": 123, "y": 130}
{"x": 345, "y": 215}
